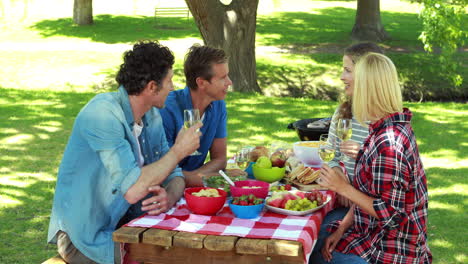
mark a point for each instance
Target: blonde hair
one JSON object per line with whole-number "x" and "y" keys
{"x": 377, "y": 92}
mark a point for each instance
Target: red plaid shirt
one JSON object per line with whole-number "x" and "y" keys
{"x": 389, "y": 169}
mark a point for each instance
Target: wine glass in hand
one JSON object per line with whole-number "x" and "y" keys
{"x": 191, "y": 117}
{"x": 326, "y": 149}
{"x": 344, "y": 130}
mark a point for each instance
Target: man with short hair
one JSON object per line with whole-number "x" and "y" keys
{"x": 116, "y": 155}
{"x": 206, "y": 71}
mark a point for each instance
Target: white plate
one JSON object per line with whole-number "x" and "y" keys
{"x": 297, "y": 213}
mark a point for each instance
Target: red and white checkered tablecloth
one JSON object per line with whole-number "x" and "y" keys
{"x": 268, "y": 225}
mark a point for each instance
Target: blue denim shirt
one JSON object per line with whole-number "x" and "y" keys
{"x": 214, "y": 124}
{"x": 98, "y": 166}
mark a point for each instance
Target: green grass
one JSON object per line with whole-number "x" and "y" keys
{"x": 50, "y": 69}
{"x": 33, "y": 137}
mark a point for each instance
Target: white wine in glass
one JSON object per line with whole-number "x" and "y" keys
{"x": 344, "y": 129}
{"x": 192, "y": 117}
{"x": 243, "y": 158}
{"x": 326, "y": 153}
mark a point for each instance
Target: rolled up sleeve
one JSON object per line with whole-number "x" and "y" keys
{"x": 390, "y": 178}
{"x": 105, "y": 134}
{"x": 177, "y": 172}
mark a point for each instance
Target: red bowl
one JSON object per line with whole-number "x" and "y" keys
{"x": 261, "y": 192}
{"x": 204, "y": 205}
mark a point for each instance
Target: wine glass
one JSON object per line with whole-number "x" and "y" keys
{"x": 326, "y": 148}
{"x": 243, "y": 158}
{"x": 192, "y": 117}
{"x": 344, "y": 131}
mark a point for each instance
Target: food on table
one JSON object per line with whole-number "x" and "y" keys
{"x": 251, "y": 187}
{"x": 207, "y": 193}
{"x": 247, "y": 200}
{"x": 309, "y": 177}
{"x": 304, "y": 175}
{"x": 291, "y": 163}
{"x": 263, "y": 162}
{"x": 296, "y": 201}
{"x": 311, "y": 144}
{"x": 278, "y": 158}
{"x": 257, "y": 152}
{"x": 280, "y": 188}
{"x": 217, "y": 181}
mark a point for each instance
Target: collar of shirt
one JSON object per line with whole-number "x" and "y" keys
{"x": 187, "y": 104}
{"x": 403, "y": 117}
{"x": 127, "y": 108}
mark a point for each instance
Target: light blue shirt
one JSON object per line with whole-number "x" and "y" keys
{"x": 214, "y": 124}
{"x": 98, "y": 166}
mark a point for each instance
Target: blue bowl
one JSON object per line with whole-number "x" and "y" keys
{"x": 250, "y": 171}
{"x": 246, "y": 211}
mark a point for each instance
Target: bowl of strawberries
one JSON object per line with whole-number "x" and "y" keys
{"x": 246, "y": 206}
{"x": 257, "y": 188}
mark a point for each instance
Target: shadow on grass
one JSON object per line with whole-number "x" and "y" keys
{"x": 39, "y": 123}
{"x": 35, "y": 131}
{"x": 330, "y": 25}
{"x": 113, "y": 29}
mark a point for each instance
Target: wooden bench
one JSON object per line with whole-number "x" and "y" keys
{"x": 55, "y": 260}
{"x": 171, "y": 12}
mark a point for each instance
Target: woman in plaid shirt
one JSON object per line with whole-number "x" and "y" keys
{"x": 387, "y": 223}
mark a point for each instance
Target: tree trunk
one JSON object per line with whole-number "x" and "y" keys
{"x": 231, "y": 28}
{"x": 83, "y": 12}
{"x": 368, "y": 26}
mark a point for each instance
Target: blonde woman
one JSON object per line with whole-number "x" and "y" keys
{"x": 350, "y": 147}
{"x": 387, "y": 221}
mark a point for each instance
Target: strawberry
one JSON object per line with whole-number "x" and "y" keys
{"x": 251, "y": 198}
{"x": 243, "y": 203}
{"x": 287, "y": 187}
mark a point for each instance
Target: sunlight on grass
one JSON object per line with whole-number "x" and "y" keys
{"x": 17, "y": 139}
{"x": 455, "y": 188}
{"x": 451, "y": 207}
{"x": 442, "y": 243}
{"x": 462, "y": 258}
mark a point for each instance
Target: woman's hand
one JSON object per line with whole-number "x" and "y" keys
{"x": 157, "y": 204}
{"x": 330, "y": 244}
{"x": 350, "y": 148}
{"x": 331, "y": 179}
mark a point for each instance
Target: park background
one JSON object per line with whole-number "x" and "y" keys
{"x": 50, "y": 68}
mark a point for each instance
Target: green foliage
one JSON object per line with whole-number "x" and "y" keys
{"x": 443, "y": 22}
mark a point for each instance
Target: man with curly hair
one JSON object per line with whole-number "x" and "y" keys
{"x": 206, "y": 72}
{"x": 116, "y": 156}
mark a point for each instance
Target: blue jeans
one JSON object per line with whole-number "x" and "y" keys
{"x": 337, "y": 257}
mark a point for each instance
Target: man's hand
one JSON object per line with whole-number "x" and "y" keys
{"x": 157, "y": 204}
{"x": 350, "y": 148}
{"x": 187, "y": 141}
{"x": 330, "y": 244}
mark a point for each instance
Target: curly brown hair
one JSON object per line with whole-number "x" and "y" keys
{"x": 147, "y": 61}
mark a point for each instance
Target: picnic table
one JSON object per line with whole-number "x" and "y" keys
{"x": 182, "y": 237}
